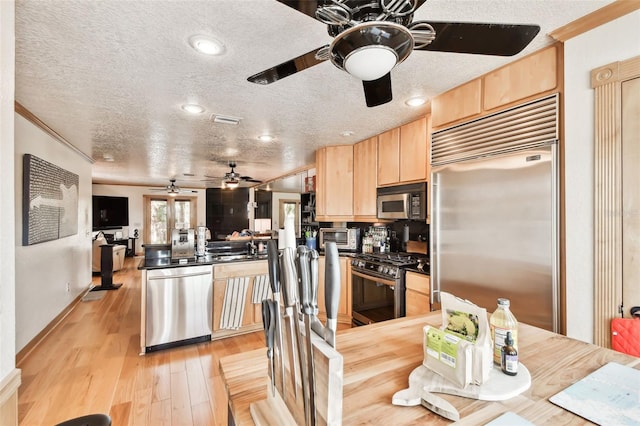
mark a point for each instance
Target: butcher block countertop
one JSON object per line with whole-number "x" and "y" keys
{"x": 378, "y": 359}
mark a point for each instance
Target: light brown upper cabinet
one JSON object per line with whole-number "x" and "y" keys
{"x": 528, "y": 78}
{"x": 334, "y": 183}
{"x": 402, "y": 153}
{"x": 365, "y": 164}
{"x": 413, "y": 151}
{"x": 389, "y": 157}
{"x": 461, "y": 102}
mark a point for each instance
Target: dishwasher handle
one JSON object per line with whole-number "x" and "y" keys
{"x": 172, "y": 277}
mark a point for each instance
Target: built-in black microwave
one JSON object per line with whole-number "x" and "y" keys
{"x": 403, "y": 202}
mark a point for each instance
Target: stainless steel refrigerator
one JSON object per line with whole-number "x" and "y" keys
{"x": 494, "y": 226}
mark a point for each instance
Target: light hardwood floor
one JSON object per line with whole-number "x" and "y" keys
{"x": 90, "y": 363}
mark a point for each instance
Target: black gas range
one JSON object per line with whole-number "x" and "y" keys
{"x": 389, "y": 265}
{"x": 378, "y": 284}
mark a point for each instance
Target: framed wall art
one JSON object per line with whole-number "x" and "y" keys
{"x": 49, "y": 201}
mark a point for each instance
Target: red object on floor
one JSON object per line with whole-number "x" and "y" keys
{"x": 625, "y": 335}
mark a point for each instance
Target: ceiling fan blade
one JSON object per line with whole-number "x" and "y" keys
{"x": 481, "y": 38}
{"x": 378, "y": 92}
{"x": 290, "y": 67}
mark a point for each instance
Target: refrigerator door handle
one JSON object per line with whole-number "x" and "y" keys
{"x": 434, "y": 288}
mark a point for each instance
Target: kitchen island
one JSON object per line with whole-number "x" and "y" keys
{"x": 378, "y": 359}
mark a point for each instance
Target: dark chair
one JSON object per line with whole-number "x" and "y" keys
{"x": 90, "y": 420}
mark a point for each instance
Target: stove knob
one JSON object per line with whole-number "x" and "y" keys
{"x": 380, "y": 268}
{"x": 385, "y": 270}
{"x": 393, "y": 271}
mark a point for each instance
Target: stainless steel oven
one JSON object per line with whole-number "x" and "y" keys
{"x": 378, "y": 286}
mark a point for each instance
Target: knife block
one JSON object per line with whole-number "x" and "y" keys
{"x": 285, "y": 408}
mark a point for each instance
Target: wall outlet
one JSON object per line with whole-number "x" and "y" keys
{"x": 68, "y": 287}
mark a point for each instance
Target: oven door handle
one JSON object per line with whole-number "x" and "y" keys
{"x": 384, "y": 281}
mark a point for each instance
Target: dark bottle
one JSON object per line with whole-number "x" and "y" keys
{"x": 509, "y": 357}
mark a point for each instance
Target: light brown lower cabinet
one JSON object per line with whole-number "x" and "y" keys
{"x": 344, "y": 307}
{"x": 223, "y": 276}
{"x": 417, "y": 295}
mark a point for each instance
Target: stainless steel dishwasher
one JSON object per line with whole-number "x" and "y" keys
{"x": 178, "y": 305}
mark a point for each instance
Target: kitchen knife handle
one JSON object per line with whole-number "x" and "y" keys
{"x": 332, "y": 280}
{"x": 268, "y": 318}
{"x": 304, "y": 279}
{"x": 289, "y": 277}
{"x": 274, "y": 268}
{"x": 313, "y": 266}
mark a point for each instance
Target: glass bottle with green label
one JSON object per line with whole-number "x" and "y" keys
{"x": 502, "y": 321}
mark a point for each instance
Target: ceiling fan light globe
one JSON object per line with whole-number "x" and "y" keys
{"x": 370, "y": 62}
{"x": 371, "y": 49}
{"x": 232, "y": 184}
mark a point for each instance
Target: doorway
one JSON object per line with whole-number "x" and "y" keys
{"x": 164, "y": 213}
{"x": 290, "y": 209}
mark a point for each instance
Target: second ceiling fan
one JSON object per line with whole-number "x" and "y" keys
{"x": 373, "y": 36}
{"x": 232, "y": 179}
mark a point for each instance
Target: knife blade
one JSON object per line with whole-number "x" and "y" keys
{"x": 331, "y": 291}
{"x": 289, "y": 293}
{"x": 306, "y": 295}
{"x": 268, "y": 314}
{"x": 439, "y": 406}
{"x": 274, "y": 281}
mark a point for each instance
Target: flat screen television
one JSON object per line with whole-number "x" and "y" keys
{"x": 110, "y": 212}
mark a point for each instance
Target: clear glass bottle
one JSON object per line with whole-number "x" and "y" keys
{"x": 502, "y": 321}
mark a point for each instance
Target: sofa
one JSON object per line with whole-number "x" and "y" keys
{"x": 118, "y": 254}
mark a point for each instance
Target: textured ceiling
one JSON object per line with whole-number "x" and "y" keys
{"x": 110, "y": 77}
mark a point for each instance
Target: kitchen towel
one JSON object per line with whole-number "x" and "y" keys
{"x": 233, "y": 305}
{"x": 289, "y": 233}
{"x": 261, "y": 289}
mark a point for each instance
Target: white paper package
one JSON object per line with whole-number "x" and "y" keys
{"x": 448, "y": 355}
{"x": 469, "y": 321}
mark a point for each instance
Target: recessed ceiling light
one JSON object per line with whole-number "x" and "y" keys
{"x": 347, "y": 133}
{"x": 193, "y": 108}
{"x": 207, "y": 45}
{"x": 415, "y": 101}
{"x": 265, "y": 138}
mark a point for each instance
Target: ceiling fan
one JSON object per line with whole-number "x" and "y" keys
{"x": 372, "y": 36}
{"x": 232, "y": 179}
{"x": 173, "y": 189}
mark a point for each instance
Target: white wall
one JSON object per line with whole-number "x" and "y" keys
{"x": 136, "y": 206}
{"x": 615, "y": 41}
{"x": 43, "y": 271}
{"x": 7, "y": 224}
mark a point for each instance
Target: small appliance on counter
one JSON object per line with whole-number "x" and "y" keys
{"x": 201, "y": 241}
{"x": 347, "y": 239}
{"x": 182, "y": 245}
